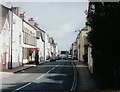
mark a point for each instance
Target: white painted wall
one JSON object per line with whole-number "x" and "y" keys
{"x": 51, "y": 49}
{"x": 56, "y": 49}
{"x": 90, "y": 60}
{"x": 47, "y": 46}
{"x": 31, "y": 31}
{"x": 82, "y": 34}
{"x": 40, "y": 45}
{"x": 5, "y": 43}
{"x": 16, "y": 41}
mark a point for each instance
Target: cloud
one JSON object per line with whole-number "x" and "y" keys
{"x": 64, "y": 35}
{"x": 64, "y": 29}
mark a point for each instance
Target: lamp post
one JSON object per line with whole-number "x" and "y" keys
{"x": 77, "y": 30}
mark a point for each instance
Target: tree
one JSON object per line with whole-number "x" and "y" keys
{"x": 104, "y": 38}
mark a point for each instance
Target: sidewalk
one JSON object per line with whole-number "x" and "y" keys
{"x": 85, "y": 80}
{"x": 24, "y": 67}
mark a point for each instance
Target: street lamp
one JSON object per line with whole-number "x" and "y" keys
{"x": 77, "y": 30}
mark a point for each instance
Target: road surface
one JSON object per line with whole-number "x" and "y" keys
{"x": 50, "y": 76}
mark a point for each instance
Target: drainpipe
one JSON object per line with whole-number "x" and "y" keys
{"x": 44, "y": 50}
{"x": 11, "y": 22}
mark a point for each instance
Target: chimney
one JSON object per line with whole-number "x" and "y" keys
{"x": 36, "y": 24}
{"x": 31, "y": 21}
{"x": 15, "y": 10}
{"x": 22, "y": 15}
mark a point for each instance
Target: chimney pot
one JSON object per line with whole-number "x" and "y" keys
{"x": 31, "y": 21}
{"x": 22, "y": 15}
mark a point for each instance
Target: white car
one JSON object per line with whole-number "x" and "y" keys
{"x": 69, "y": 57}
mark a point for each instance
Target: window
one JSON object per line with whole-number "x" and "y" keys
{"x": 20, "y": 39}
{"x": 25, "y": 53}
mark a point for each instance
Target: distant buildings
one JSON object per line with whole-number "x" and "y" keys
{"x": 20, "y": 39}
{"x": 74, "y": 50}
{"x": 80, "y": 46}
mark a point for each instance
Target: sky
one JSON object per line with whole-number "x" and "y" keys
{"x": 58, "y": 19}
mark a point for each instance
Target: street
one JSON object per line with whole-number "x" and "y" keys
{"x": 50, "y": 76}
{"x": 60, "y": 75}
{"x": 59, "y": 46}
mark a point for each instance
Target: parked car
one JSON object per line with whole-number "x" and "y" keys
{"x": 48, "y": 57}
{"x": 62, "y": 56}
{"x": 57, "y": 57}
{"x": 53, "y": 58}
{"x": 69, "y": 57}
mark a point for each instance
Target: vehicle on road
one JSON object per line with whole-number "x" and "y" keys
{"x": 53, "y": 58}
{"x": 64, "y": 54}
{"x": 69, "y": 57}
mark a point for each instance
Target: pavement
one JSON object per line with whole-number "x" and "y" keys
{"x": 18, "y": 69}
{"x": 85, "y": 79}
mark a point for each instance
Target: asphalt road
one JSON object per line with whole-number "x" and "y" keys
{"x": 50, "y": 76}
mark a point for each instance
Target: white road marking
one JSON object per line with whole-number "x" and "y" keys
{"x": 74, "y": 80}
{"x": 57, "y": 65}
{"x": 48, "y": 71}
{"x": 36, "y": 79}
{"x": 21, "y": 87}
{"x": 53, "y": 68}
{"x": 40, "y": 76}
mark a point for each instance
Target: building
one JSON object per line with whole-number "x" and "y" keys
{"x": 47, "y": 46}
{"x": 5, "y": 38}
{"x": 29, "y": 42}
{"x": 56, "y": 49}
{"x": 78, "y": 46}
{"x": 53, "y": 47}
{"x": 16, "y": 40}
{"x": 40, "y": 42}
{"x": 21, "y": 39}
{"x": 74, "y": 50}
{"x": 83, "y": 43}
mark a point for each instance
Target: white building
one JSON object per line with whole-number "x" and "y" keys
{"x": 40, "y": 43}
{"x": 47, "y": 46}
{"x": 29, "y": 42}
{"x": 19, "y": 39}
{"x": 5, "y": 39}
{"x": 16, "y": 41}
{"x": 10, "y": 39}
{"x": 51, "y": 40}
{"x": 56, "y": 49}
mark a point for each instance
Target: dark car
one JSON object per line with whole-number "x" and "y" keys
{"x": 48, "y": 57}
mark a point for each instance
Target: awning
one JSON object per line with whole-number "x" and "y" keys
{"x": 31, "y": 48}
{"x": 28, "y": 46}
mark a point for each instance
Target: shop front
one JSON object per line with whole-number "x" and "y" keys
{"x": 31, "y": 54}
